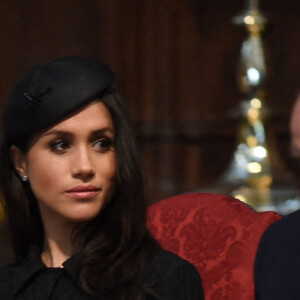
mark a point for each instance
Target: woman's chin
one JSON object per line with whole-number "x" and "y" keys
{"x": 83, "y": 216}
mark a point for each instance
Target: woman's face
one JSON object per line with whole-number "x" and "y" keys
{"x": 72, "y": 166}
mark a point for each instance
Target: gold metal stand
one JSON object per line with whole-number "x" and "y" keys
{"x": 250, "y": 176}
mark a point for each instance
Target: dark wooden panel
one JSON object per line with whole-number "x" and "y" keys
{"x": 176, "y": 66}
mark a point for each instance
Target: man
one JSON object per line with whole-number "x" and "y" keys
{"x": 277, "y": 267}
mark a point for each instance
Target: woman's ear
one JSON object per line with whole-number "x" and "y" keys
{"x": 18, "y": 160}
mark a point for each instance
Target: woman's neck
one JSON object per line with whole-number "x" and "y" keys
{"x": 57, "y": 246}
{"x": 54, "y": 255}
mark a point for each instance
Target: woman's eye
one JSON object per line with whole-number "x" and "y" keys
{"x": 59, "y": 146}
{"x": 104, "y": 144}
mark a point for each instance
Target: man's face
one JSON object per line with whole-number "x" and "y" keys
{"x": 295, "y": 129}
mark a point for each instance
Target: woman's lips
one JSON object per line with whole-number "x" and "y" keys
{"x": 83, "y": 192}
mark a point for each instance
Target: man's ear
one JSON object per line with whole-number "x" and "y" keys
{"x": 18, "y": 160}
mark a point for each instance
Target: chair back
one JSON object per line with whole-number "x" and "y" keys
{"x": 218, "y": 234}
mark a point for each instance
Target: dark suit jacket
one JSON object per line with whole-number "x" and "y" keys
{"x": 277, "y": 266}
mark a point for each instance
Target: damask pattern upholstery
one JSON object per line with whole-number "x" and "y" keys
{"x": 218, "y": 234}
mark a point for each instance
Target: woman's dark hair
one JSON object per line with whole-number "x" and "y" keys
{"x": 112, "y": 249}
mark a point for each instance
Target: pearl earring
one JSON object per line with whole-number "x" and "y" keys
{"x": 24, "y": 178}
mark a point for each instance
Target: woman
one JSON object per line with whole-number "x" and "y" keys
{"x": 73, "y": 194}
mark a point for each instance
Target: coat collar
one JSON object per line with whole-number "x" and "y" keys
{"x": 32, "y": 265}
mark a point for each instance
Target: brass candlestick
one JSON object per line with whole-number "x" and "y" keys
{"x": 250, "y": 176}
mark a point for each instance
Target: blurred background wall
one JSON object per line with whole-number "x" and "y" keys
{"x": 176, "y": 68}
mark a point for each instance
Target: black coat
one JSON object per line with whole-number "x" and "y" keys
{"x": 277, "y": 266}
{"x": 167, "y": 275}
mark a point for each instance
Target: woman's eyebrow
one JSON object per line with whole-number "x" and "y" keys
{"x": 59, "y": 132}
{"x": 100, "y": 132}
{"x": 94, "y": 133}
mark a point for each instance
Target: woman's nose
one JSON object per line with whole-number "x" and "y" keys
{"x": 82, "y": 165}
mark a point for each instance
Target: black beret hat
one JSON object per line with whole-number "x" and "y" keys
{"x": 51, "y": 91}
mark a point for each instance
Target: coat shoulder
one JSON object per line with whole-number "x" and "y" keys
{"x": 8, "y": 276}
{"x": 287, "y": 229}
{"x": 172, "y": 277}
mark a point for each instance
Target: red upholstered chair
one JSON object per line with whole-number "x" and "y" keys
{"x": 218, "y": 234}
